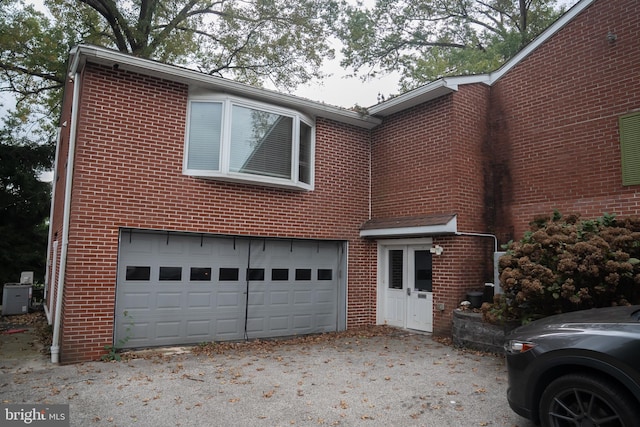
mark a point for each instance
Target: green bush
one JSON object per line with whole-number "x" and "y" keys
{"x": 568, "y": 264}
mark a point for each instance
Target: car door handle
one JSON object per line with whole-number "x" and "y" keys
{"x": 409, "y": 291}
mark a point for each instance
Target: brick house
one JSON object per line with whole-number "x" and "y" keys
{"x": 188, "y": 208}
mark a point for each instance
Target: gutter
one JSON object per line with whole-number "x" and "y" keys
{"x": 55, "y": 342}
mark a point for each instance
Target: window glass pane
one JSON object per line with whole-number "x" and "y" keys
{"x": 138, "y": 273}
{"x": 304, "y": 166}
{"x": 260, "y": 143}
{"x": 395, "y": 269}
{"x": 324, "y": 274}
{"x": 255, "y": 274}
{"x": 205, "y": 126}
{"x": 199, "y": 274}
{"x": 303, "y": 274}
{"x": 423, "y": 271}
{"x": 280, "y": 274}
{"x": 171, "y": 273}
{"x": 228, "y": 275}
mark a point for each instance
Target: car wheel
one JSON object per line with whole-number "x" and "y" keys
{"x": 582, "y": 400}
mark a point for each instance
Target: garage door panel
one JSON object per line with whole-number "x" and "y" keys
{"x": 279, "y": 324}
{"x": 228, "y": 329}
{"x": 302, "y": 321}
{"x": 302, "y": 297}
{"x": 279, "y": 298}
{"x": 137, "y": 300}
{"x": 325, "y": 296}
{"x": 137, "y": 333}
{"x": 199, "y": 300}
{"x": 181, "y": 289}
{"x": 256, "y": 298}
{"x": 166, "y": 300}
{"x": 168, "y": 329}
{"x": 199, "y": 328}
{"x": 227, "y": 299}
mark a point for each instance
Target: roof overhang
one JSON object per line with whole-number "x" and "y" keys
{"x": 426, "y": 93}
{"x": 415, "y": 226}
{"x": 83, "y": 54}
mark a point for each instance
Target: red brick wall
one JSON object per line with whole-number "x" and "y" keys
{"x": 558, "y": 111}
{"x": 431, "y": 159}
{"x": 409, "y": 176}
{"x": 461, "y": 268}
{"x": 128, "y": 173}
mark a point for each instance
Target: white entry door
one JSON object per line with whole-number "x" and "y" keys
{"x": 419, "y": 289}
{"x": 407, "y": 297}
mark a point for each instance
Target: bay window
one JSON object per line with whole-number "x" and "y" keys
{"x": 239, "y": 140}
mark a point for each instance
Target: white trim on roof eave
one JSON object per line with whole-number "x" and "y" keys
{"x": 83, "y": 53}
{"x": 543, "y": 37}
{"x": 408, "y": 231}
{"x": 451, "y": 227}
{"x": 425, "y": 93}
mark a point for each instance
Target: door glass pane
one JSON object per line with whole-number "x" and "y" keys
{"x": 423, "y": 271}
{"x": 395, "y": 268}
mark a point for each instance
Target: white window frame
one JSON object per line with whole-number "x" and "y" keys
{"x": 225, "y": 174}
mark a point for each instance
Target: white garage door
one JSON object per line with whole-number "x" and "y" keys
{"x": 184, "y": 289}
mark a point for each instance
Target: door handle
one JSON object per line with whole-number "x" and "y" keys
{"x": 409, "y": 291}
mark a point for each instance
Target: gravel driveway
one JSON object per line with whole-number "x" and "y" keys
{"x": 387, "y": 377}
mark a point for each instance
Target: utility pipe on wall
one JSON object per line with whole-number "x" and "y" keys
{"x": 495, "y": 239}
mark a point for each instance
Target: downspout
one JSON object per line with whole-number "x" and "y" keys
{"x": 47, "y": 277}
{"x": 55, "y": 342}
{"x": 370, "y": 173}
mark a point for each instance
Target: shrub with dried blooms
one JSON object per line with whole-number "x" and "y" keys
{"x": 568, "y": 264}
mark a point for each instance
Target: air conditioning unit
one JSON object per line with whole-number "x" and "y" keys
{"x": 15, "y": 299}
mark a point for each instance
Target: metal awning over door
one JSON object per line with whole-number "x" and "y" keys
{"x": 185, "y": 288}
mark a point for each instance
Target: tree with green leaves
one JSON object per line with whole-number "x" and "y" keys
{"x": 277, "y": 42}
{"x": 24, "y": 207}
{"x": 280, "y": 43}
{"x": 429, "y": 39}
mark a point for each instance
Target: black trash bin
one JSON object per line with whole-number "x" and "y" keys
{"x": 475, "y": 298}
